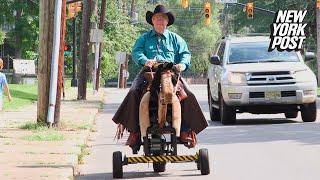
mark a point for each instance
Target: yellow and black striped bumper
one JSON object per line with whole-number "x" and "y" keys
{"x": 151, "y": 159}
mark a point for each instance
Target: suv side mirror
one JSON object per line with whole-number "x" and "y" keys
{"x": 215, "y": 60}
{"x": 309, "y": 56}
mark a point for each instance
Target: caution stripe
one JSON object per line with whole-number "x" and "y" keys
{"x": 147, "y": 159}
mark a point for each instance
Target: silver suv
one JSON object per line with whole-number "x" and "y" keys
{"x": 244, "y": 77}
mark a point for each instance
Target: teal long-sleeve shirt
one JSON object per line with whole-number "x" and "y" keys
{"x": 168, "y": 46}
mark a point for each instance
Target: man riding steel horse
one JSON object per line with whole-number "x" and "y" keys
{"x": 159, "y": 45}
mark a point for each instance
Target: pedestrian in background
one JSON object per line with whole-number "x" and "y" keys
{"x": 3, "y": 86}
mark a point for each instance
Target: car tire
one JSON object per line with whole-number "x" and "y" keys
{"x": 309, "y": 112}
{"x": 291, "y": 114}
{"x": 227, "y": 113}
{"x": 214, "y": 112}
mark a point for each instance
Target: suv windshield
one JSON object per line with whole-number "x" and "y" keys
{"x": 253, "y": 52}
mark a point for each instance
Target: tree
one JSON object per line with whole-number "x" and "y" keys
{"x": 119, "y": 36}
{"x": 23, "y": 17}
{"x": 200, "y": 38}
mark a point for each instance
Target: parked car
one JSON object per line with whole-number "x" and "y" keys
{"x": 244, "y": 77}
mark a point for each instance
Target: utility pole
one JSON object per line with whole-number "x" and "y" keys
{"x": 74, "y": 81}
{"x": 101, "y": 26}
{"x": 318, "y": 39}
{"x": 46, "y": 21}
{"x": 84, "y": 71}
{"x": 121, "y": 77}
{"x": 61, "y": 63}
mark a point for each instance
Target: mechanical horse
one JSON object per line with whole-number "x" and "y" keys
{"x": 160, "y": 122}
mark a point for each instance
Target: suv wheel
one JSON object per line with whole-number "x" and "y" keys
{"x": 291, "y": 114}
{"x": 309, "y": 112}
{"x": 214, "y": 112}
{"x": 227, "y": 113}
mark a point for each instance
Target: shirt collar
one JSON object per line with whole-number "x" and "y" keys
{"x": 165, "y": 33}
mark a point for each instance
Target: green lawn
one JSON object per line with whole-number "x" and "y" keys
{"x": 318, "y": 91}
{"x": 22, "y": 95}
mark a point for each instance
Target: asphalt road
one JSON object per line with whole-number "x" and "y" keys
{"x": 258, "y": 147}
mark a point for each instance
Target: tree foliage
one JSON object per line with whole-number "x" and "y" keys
{"x": 23, "y": 17}
{"x": 119, "y": 36}
{"x": 200, "y": 38}
{"x": 2, "y": 37}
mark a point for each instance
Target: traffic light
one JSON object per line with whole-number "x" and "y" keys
{"x": 78, "y": 7}
{"x": 250, "y": 10}
{"x": 67, "y": 47}
{"x": 318, "y": 4}
{"x": 74, "y": 8}
{"x": 184, "y": 3}
{"x": 71, "y": 10}
{"x": 207, "y": 13}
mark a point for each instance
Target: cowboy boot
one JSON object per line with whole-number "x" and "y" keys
{"x": 184, "y": 137}
{"x": 134, "y": 142}
{"x": 194, "y": 141}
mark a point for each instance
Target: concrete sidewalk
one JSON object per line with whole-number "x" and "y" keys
{"x": 21, "y": 157}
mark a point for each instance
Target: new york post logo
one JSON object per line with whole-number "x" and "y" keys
{"x": 287, "y": 30}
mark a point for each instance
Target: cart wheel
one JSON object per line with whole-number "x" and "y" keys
{"x": 204, "y": 161}
{"x": 117, "y": 164}
{"x": 159, "y": 167}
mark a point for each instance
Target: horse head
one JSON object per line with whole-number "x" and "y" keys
{"x": 163, "y": 89}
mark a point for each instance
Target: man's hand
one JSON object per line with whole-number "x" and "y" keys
{"x": 150, "y": 63}
{"x": 180, "y": 67}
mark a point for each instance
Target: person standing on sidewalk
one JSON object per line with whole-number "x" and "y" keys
{"x": 3, "y": 86}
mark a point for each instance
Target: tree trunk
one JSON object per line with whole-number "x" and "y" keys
{"x": 133, "y": 8}
{"x": 46, "y": 26}
{"x": 318, "y": 44}
{"x": 83, "y": 73}
{"x": 61, "y": 64}
{"x": 17, "y": 49}
{"x": 101, "y": 26}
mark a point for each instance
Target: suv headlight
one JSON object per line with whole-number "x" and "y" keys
{"x": 304, "y": 75}
{"x": 237, "y": 78}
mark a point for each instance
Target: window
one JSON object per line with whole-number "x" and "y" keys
{"x": 258, "y": 52}
{"x": 220, "y": 52}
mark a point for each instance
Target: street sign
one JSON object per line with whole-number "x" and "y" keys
{"x": 24, "y": 67}
{"x": 96, "y": 35}
{"x": 121, "y": 57}
{"x": 226, "y": 1}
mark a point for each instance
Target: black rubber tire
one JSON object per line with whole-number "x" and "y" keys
{"x": 309, "y": 112}
{"x": 291, "y": 114}
{"x": 214, "y": 113}
{"x": 227, "y": 113}
{"x": 204, "y": 161}
{"x": 117, "y": 164}
{"x": 159, "y": 167}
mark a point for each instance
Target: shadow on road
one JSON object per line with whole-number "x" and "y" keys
{"x": 261, "y": 130}
{"x": 131, "y": 175}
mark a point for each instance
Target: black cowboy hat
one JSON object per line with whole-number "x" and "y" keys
{"x": 160, "y": 9}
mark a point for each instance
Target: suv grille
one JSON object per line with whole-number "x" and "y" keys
{"x": 270, "y": 78}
